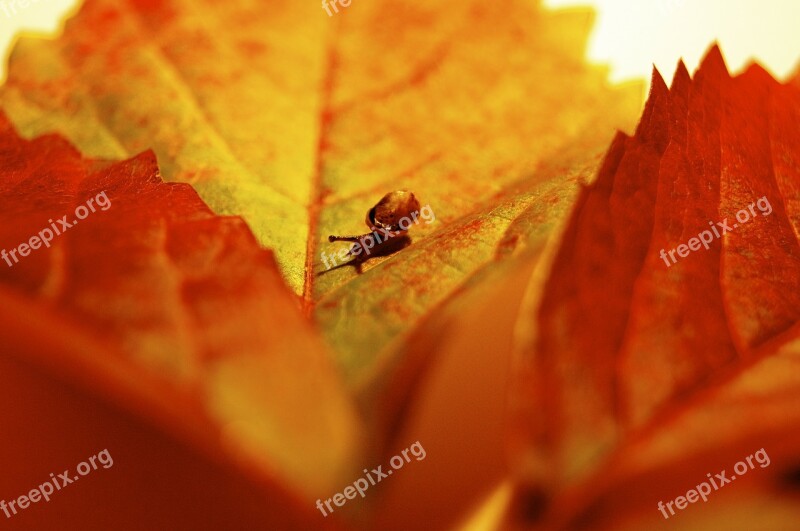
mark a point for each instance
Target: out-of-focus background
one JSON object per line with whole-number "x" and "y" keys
{"x": 632, "y": 35}
{"x": 629, "y": 35}
{"x": 39, "y": 16}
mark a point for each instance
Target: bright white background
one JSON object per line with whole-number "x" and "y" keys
{"x": 40, "y": 16}
{"x": 630, "y": 35}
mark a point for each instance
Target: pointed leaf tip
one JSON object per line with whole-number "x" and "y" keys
{"x": 759, "y": 74}
{"x": 713, "y": 61}
{"x": 656, "y": 80}
{"x": 658, "y": 87}
{"x": 658, "y": 94}
{"x": 681, "y": 78}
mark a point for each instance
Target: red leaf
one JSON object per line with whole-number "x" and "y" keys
{"x": 154, "y": 309}
{"x": 629, "y": 341}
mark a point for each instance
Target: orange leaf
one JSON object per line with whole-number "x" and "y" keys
{"x": 158, "y": 304}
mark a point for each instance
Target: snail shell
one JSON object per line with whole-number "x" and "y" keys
{"x": 392, "y": 208}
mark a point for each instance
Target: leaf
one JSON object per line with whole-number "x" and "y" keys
{"x": 301, "y": 132}
{"x": 624, "y": 376}
{"x": 154, "y": 299}
{"x": 638, "y": 377}
{"x": 451, "y": 393}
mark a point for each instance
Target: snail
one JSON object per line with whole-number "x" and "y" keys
{"x": 389, "y": 219}
{"x": 388, "y": 216}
